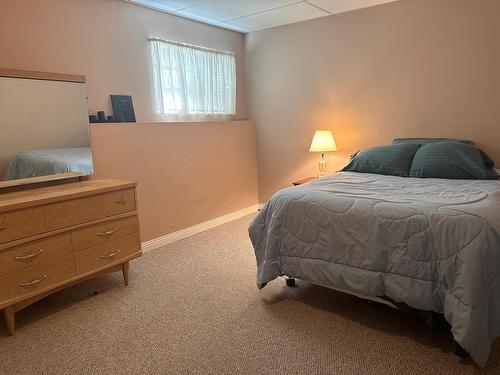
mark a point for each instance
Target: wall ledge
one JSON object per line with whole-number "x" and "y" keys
{"x": 239, "y": 121}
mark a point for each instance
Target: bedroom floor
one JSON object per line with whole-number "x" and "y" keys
{"x": 192, "y": 308}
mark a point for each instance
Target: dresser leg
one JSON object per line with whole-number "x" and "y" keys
{"x": 8, "y": 313}
{"x": 125, "y": 272}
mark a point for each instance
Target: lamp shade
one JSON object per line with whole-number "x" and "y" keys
{"x": 323, "y": 141}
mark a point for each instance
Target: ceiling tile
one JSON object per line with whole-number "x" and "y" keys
{"x": 282, "y": 16}
{"x": 339, "y": 6}
{"x": 168, "y": 5}
{"x": 252, "y": 15}
{"x": 224, "y": 10}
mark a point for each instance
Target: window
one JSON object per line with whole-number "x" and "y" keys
{"x": 193, "y": 80}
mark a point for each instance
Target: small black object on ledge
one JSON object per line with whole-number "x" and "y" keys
{"x": 123, "y": 110}
{"x": 100, "y": 118}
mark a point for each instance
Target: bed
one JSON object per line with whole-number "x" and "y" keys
{"x": 432, "y": 244}
{"x": 50, "y": 161}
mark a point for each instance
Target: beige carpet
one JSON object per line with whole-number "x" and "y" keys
{"x": 193, "y": 308}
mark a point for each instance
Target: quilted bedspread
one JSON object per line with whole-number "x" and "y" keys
{"x": 433, "y": 244}
{"x": 35, "y": 163}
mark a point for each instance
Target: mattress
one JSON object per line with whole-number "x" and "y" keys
{"x": 50, "y": 161}
{"x": 432, "y": 244}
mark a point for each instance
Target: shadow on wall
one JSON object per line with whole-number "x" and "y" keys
{"x": 404, "y": 69}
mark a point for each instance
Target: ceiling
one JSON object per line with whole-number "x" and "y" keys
{"x": 252, "y": 15}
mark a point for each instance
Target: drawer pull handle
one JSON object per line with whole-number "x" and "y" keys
{"x": 29, "y": 256}
{"x": 121, "y": 201}
{"x": 34, "y": 282}
{"x": 107, "y": 256}
{"x": 2, "y": 228}
{"x": 108, "y": 233}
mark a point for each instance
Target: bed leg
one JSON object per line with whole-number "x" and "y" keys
{"x": 458, "y": 350}
{"x": 429, "y": 319}
{"x": 290, "y": 281}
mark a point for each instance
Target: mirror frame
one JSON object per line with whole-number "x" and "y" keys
{"x": 6, "y": 186}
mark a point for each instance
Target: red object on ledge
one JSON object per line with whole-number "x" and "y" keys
{"x": 304, "y": 181}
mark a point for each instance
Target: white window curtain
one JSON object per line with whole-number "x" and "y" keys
{"x": 193, "y": 81}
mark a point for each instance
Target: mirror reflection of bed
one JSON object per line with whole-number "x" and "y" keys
{"x": 44, "y": 127}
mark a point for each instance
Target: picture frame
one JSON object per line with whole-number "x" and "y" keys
{"x": 123, "y": 108}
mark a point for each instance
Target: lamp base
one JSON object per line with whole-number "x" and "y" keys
{"x": 322, "y": 166}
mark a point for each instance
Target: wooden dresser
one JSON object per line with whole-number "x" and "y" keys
{"x": 53, "y": 237}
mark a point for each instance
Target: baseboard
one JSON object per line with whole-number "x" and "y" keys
{"x": 198, "y": 228}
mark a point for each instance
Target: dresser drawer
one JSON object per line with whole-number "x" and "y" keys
{"x": 104, "y": 232}
{"x": 36, "y": 278}
{"x": 33, "y": 253}
{"x": 27, "y": 222}
{"x": 107, "y": 253}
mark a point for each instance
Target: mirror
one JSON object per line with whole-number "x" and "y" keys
{"x": 44, "y": 129}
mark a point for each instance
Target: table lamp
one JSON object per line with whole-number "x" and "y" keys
{"x": 323, "y": 142}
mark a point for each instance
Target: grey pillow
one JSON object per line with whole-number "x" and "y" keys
{"x": 423, "y": 141}
{"x": 392, "y": 160}
{"x": 488, "y": 163}
{"x": 451, "y": 160}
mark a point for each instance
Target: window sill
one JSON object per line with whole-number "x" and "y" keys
{"x": 193, "y": 118}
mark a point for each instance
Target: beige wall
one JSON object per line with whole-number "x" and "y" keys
{"x": 106, "y": 40}
{"x": 410, "y": 68}
{"x": 187, "y": 172}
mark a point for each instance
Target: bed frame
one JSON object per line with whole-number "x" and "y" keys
{"x": 433, "y": 319}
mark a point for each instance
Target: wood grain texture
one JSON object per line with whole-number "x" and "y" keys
{"x": 44, "y": 76}
{"x": 7, "y": 184}
{"x": 37, "y": 231}
{"x": 29, "y": 301}
{"x": 8, "y": 314}
{"x": 56, "y": 270}
{"x": 100, "y": 256}
{"x": 34, "y": 220}
{"x": 34, "y": 253}
{"x": 8, "y": 245}
{"x": 24, "y": 301}
{"x": 125, "y": 269}
{"x": 100, "y": 233}
{"x": 57, "y": 193}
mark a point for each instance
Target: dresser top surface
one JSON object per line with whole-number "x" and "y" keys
{"x": 49, "y": 194}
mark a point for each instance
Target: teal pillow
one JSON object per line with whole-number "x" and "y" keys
{"x": 424, "y": 141}
{"x": 394, "y": 160}
{"x": 451, "y": 160}
{"x": 488, "y": 163}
